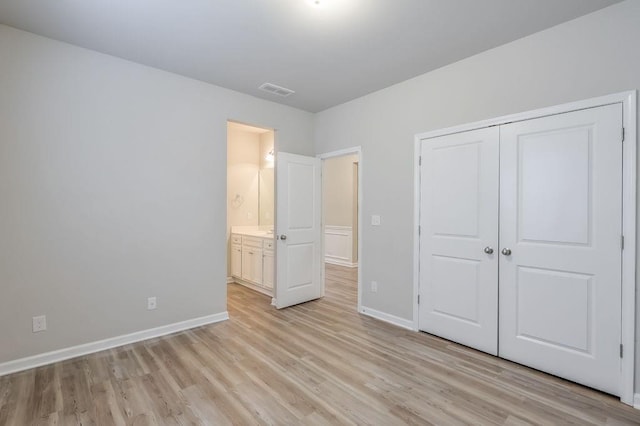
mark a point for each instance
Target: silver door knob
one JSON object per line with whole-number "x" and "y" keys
{"x": 488, "y": 250}
{"x": 283, "y": 237}
{"x": 506, "y": 251}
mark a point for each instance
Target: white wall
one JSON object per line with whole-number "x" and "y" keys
{"x": 337, "y": 188}
{"x": 243, "y": 167}
{"x": 267, "y": 180}
{"x": 113, "y": 188}
{"x": 591, "y": 56}
{"x": 267, "y": 143}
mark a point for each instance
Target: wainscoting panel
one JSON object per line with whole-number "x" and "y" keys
{"x": 338, "y": 243}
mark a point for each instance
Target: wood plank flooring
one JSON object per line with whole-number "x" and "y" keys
{"x": 316, "y": 363}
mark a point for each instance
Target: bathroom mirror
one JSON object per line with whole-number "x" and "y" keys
{"x": 266, "y": 196}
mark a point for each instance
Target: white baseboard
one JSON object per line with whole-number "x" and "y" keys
{"x": 636, "y": 401}
{"x": 392, "y": 319}
{"x": 100, "y": 345}
{"x": 254, "y": 287}
{"x": 334, "y": 261}
{"x": 230, "y": 280}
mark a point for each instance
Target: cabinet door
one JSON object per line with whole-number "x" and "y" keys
{"x": 256, "y": 266}
{"x": 268, "y": 269}
{"x": 252, "y": 265}
{"x": 247, "y": 263}
{"x": 236, "y": 261}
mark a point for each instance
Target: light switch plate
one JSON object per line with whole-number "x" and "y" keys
{"x": 375, "y": 220}
{"x": 39, "y": 323}
{"x": 151, "y": 303}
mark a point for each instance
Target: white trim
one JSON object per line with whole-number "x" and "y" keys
{"x": 336, "y": 261}
{"x": 230, "y": 280}
{"x": 629, "y": 176}
{"x": 339, "y": 153}
{"x": 253, "y": 286}
{"x": 101, "y": 345}
{"x": 417, "y": 152}
{"x": 629, "y": 121}
{"x": 338, "y": 229}
{"x": 391, "y": 319}
{"x": 621, "y": 97}
{"x": 636, "y": 401}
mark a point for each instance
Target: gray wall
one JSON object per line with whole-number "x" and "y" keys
{"x": 591, "y": 56}
{"x": 112, "y": 189}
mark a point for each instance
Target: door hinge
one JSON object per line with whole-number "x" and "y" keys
{"x": 420, "y": 161}
{"x": 419, "y": 230}
{"x": 622, "y": 242}
{"x": 621, "y": 350}
{"x": 623, "y": 134}
{"x": 418, "y": 299}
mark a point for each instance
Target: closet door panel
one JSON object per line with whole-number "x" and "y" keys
{"x": 560, "y": 217}
{"x": 458, "y": 220}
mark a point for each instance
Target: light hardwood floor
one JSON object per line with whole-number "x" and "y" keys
{"x": 315, "y": 363}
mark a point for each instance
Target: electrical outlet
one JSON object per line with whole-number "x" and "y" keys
{"x": 375, "y": 220}
{"x": 151, "y": 303}
{"x": 39, "y": 323}
{"x": 374, "y": 286}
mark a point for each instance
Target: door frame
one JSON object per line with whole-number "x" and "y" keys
{"x": 628, "y": 100}
{"x": 356, "y": 150}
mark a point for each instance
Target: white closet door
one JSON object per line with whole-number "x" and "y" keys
{"x": 459, "y": 220}
{"x": 560, "y": 216}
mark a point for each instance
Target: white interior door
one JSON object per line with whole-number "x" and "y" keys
{"x": 560, "y": 232}
{"x": 298, "y": 208}
{"x": 459, "y": 230}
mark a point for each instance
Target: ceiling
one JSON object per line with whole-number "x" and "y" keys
{"x": 327, "y": 54}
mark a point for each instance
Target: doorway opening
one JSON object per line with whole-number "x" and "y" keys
{"x": 250, "y": 207}
{"x": 341, "y": 200}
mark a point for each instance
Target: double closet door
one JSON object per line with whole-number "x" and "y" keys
{"x": 520, "y": 246}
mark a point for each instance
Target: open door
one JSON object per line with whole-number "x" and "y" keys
{"x": 298, "y": 230}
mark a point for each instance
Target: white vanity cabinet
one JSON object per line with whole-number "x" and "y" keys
{"x": 236, "y": 260}
{"x": 251, "y": 255}
{"x": 236, "y": 256}
{"x": 268, "y": 264}
{"x": 252, "y": 261}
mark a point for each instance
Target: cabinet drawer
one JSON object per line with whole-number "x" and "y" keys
{"x": 236, "y": 239}
{"x": 267, "y": 244}
{"x": 251, "y": 241}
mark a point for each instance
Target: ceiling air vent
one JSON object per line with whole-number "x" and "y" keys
{"x": 276, "y": 90}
